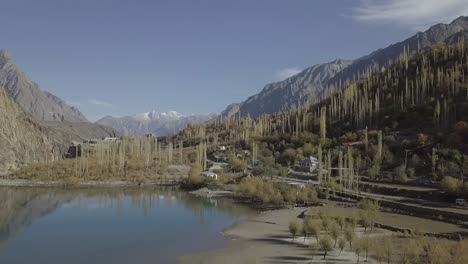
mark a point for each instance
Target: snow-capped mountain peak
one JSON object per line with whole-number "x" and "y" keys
{"x": 159, "y": 123}
{"x": 154, "y": 115}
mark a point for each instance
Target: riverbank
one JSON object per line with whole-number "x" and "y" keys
{"x": 12, "y": 182}
{"x": 176, "y": 175}
{"x": 265, "y": 238}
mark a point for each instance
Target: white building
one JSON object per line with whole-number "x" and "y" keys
{"x": 110, "y": 139}
{"x": 222, "y": 148}
{"x": 210, "y": 174}
{"x": 309, "y": 164}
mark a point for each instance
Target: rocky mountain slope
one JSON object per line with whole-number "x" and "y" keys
{"x": 61, "y": 134}
{"x": 314, "y": 81}
{"x": 159, "y": 123}
{"x": 22, "y": 139}
{"x": 39, "y": 103}
{"x": 281, "y": 95}
{"x": 440, "y": 33}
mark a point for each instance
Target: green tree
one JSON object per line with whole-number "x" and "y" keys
{"x": 434, "y": 164}
{"x": 313, "y": 250}
{"x": 379, "y": 251}
{"x": 237, "y": 165}
{"x": 369, "y": 213}
{"x": 312, "y": 228}
{"x": 290, "y": 195}
{"x": 366, "y": 140}
{"x": 334, "y": 232}
{"x": 312, "y": 196}
{"x": 294, "y": 228}
{"x": 451, "y": 185}
{"x": 194, "y": 176}
{"x": 352, "y": 222}
{"x": 290, "y": 154}
{"x": 341, "y": 244}
{"x": 365, "y": 220}
{"x": 365, "y": 243}
{"x": 325, "y": 223}
{"x": 379, "y": 145}
{"x": 340, "y": 220}
{"x": 350, "y": 236}
{"x": 388, "y": 248}
{"x": 301, "y": 196}
{"x": 326, "y": 244}
{"x": 323, "y": 124}
{"x": 357, "y": 248}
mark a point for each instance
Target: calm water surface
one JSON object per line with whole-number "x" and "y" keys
{"x": 51, "y": 226}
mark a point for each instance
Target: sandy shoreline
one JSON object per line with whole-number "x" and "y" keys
{"x": 265, "y": 239}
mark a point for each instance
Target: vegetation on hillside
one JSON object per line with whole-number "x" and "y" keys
{"x": 404, "y": 122}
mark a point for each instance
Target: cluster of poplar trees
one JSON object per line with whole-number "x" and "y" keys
{"x": 136, "y": 154}
{"x": 434, "y": 78}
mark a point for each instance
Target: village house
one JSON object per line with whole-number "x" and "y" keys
{"x": 111, "y": 139}
{"x": 353, "y": 143}
{"x": 222, "y": 148}
{"x": 308, "y": 164}
{"x": 210, "y": 174}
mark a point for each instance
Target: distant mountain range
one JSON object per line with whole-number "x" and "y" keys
{"x": 35, "y": 123}
{"x": 158, "y": 123}
{"x": 40, "y": 104}
{"x": 315, "y": 81}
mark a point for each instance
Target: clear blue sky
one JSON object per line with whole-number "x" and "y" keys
{"x": 194, "y": 56}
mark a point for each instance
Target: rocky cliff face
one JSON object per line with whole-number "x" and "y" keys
{"x": 22, "y": 139}
{"x": 159, "y": 123}
{"x": 314, "y": 80}
{"x": 40, "y": 104}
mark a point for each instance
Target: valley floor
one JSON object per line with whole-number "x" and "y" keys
{"x": 265, "y": 239}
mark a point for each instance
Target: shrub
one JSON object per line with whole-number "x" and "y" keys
{"x": 451, "y": 185}
{"x": 283, "y": 171}
{"x": 400, "y": 171}
{"x": 237, "y": 165}
{"x": 194, "y": 176}
{"x": 374, "y": 170}
{"x": 311, "y": 227}
{"x": 294, "y": 228}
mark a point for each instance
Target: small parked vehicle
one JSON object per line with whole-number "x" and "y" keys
{"x": 461, "y": 202}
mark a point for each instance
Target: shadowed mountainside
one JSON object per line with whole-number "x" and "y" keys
{"x": 315, "y": 81}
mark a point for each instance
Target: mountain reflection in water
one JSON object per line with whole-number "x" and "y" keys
{"x": 51, "y": 225}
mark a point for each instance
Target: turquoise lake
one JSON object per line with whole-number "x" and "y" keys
{"x": 41, "y": 225}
